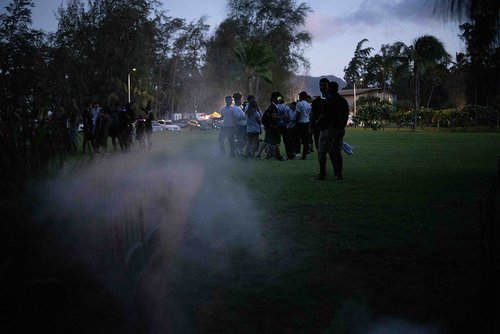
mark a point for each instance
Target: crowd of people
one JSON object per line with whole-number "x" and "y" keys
{"x": 300, "y": 126}
{"x": 116, "y": 122}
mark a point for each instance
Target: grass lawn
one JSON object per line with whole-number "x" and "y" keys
{"x": 256, "y": 247}
{"x": 397, "y": 239}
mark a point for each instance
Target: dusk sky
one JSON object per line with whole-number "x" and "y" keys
{"x": 337, "y": 25}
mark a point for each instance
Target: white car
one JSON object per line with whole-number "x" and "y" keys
{"x": 168, "y": 125}
{"x": 157, "y": 127}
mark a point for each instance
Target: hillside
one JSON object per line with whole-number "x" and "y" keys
{"x": 311, "y": 84}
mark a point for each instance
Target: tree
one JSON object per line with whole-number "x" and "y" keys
{"x": 22, "y": 59}
{"x": 458, "y": 72}
{"x": 256, "y": 57}
{"x": 357, "y": 67}
{"x": 277, "y": 24}
{"x": 482, "y": 37}
{"x": 425, "y": 53}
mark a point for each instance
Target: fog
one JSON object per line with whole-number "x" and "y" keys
{"x": 157, "y": 229}
{"x": 167, "y": 235}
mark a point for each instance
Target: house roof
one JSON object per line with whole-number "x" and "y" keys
{"x": 350, "y": 92}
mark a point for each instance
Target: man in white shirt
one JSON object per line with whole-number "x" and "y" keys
{"x": 303, "y": 110}
{"x": 229, "y": 117}
{"x": 241, "y": 124}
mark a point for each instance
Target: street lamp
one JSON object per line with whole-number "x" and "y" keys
{"x": 361, "y": 80}
{"x": 128, "y": 82}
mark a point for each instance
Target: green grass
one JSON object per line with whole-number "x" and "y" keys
{"x": 398, "y": 238}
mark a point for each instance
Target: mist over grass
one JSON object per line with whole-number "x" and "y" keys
{"x": 185, "y": 240}
{"x": 161, "y": 225}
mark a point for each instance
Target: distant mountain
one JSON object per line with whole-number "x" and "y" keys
{"x": 311, "y": 84}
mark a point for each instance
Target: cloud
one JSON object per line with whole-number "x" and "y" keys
{"x": 386, "y": 14}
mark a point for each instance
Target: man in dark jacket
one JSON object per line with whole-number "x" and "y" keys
{"x": 329, "y": 118}
{"x": 340, "y": 108}
{"x": 319, "y": 126}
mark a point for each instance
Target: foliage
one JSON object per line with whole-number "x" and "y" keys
{"x": 257, "y": 58}
{"x": 466, "y": 117}
{"x": 359, "y": 64}
{"x": 22, "y": 61}
{"x": 373, "y": 113}
{"x": 420, "y": 67}
{"x": 481, "y": 35}
{"x": 277, "y": 24}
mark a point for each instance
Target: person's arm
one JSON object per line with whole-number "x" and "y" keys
{"x": 312, "y": 117}
{"x": 298, "y": 111}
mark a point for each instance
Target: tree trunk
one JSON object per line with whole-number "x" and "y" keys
{"x": 417, "y": 102}
{"x": 432, "y": 90}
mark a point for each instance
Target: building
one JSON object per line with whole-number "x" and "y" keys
{"x": 348, "y": 94}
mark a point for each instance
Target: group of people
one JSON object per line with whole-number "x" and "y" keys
{"x": 244, "y": 122}
{"x": 295, "y": 124}
{"x": 116, "y": 122}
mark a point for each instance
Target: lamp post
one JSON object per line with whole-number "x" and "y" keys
{"x": 128, "y": 82}
{"x": 361, "y": 80}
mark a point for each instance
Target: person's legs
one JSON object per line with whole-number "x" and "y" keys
{"x": 230, "y": 138}
{"x": 304, "y": 138}
{"x": 222, "y": 139}
{"x": 242, "y": 137}
{"x": 336, "y": 156}
{"x": 323, "y": 148}
{"x": 252, "y": 139}
{"x": 148, "y": 139}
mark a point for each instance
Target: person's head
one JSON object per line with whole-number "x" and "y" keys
{"x": 237, "y": 98}
{"x": 252, "y": 104}
{"x": 274, "y": 96}
{"x": 229, "y": 100}
{"x": 323, "y": 86}
{"x": 281, "y": 99}
{"x": 333, "y": 87}
{"x": 302, "y": 95}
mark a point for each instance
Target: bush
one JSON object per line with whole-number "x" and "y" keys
{"x": 373, "y": 113}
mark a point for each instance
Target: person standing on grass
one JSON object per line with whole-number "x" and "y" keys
{"x": 253, "y": 126}
{"x": 291, "y": 129}
{"x": 229, "y": 117}
{"x": 303, "y": 110}
{"x": 241, "y": 123}
{"x": 282, "y": 125}
{"x": 340, "y": 108}
{"x": 319, "y": 127}
{"x": 272, "y": 133}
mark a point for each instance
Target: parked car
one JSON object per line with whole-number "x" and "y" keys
{"x": 168, "y": 125}
{"x": 206, "y": 125}
{"x": 157, "y": 127}
{"x": 182, "y": 123}
{"x": 193, "y": 124}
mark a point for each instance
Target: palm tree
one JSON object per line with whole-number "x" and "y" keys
{"x": 481, "y": 33}
{"x": 458, "y": 72}
{"x": 380, "y": 68}
{"x": 485, "y": 15}
{"x": 257, "y": 58}
{"x": 357, "y": 66}
{"x": 425, "y": 53}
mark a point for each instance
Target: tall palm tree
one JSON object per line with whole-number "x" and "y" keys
{"x": 257, "y": 58}
{"x": 482, "y": 37}
{"x": 357, "y": 66}
{"x": 485, "y": 15}
{"x": 425, "y": 53}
